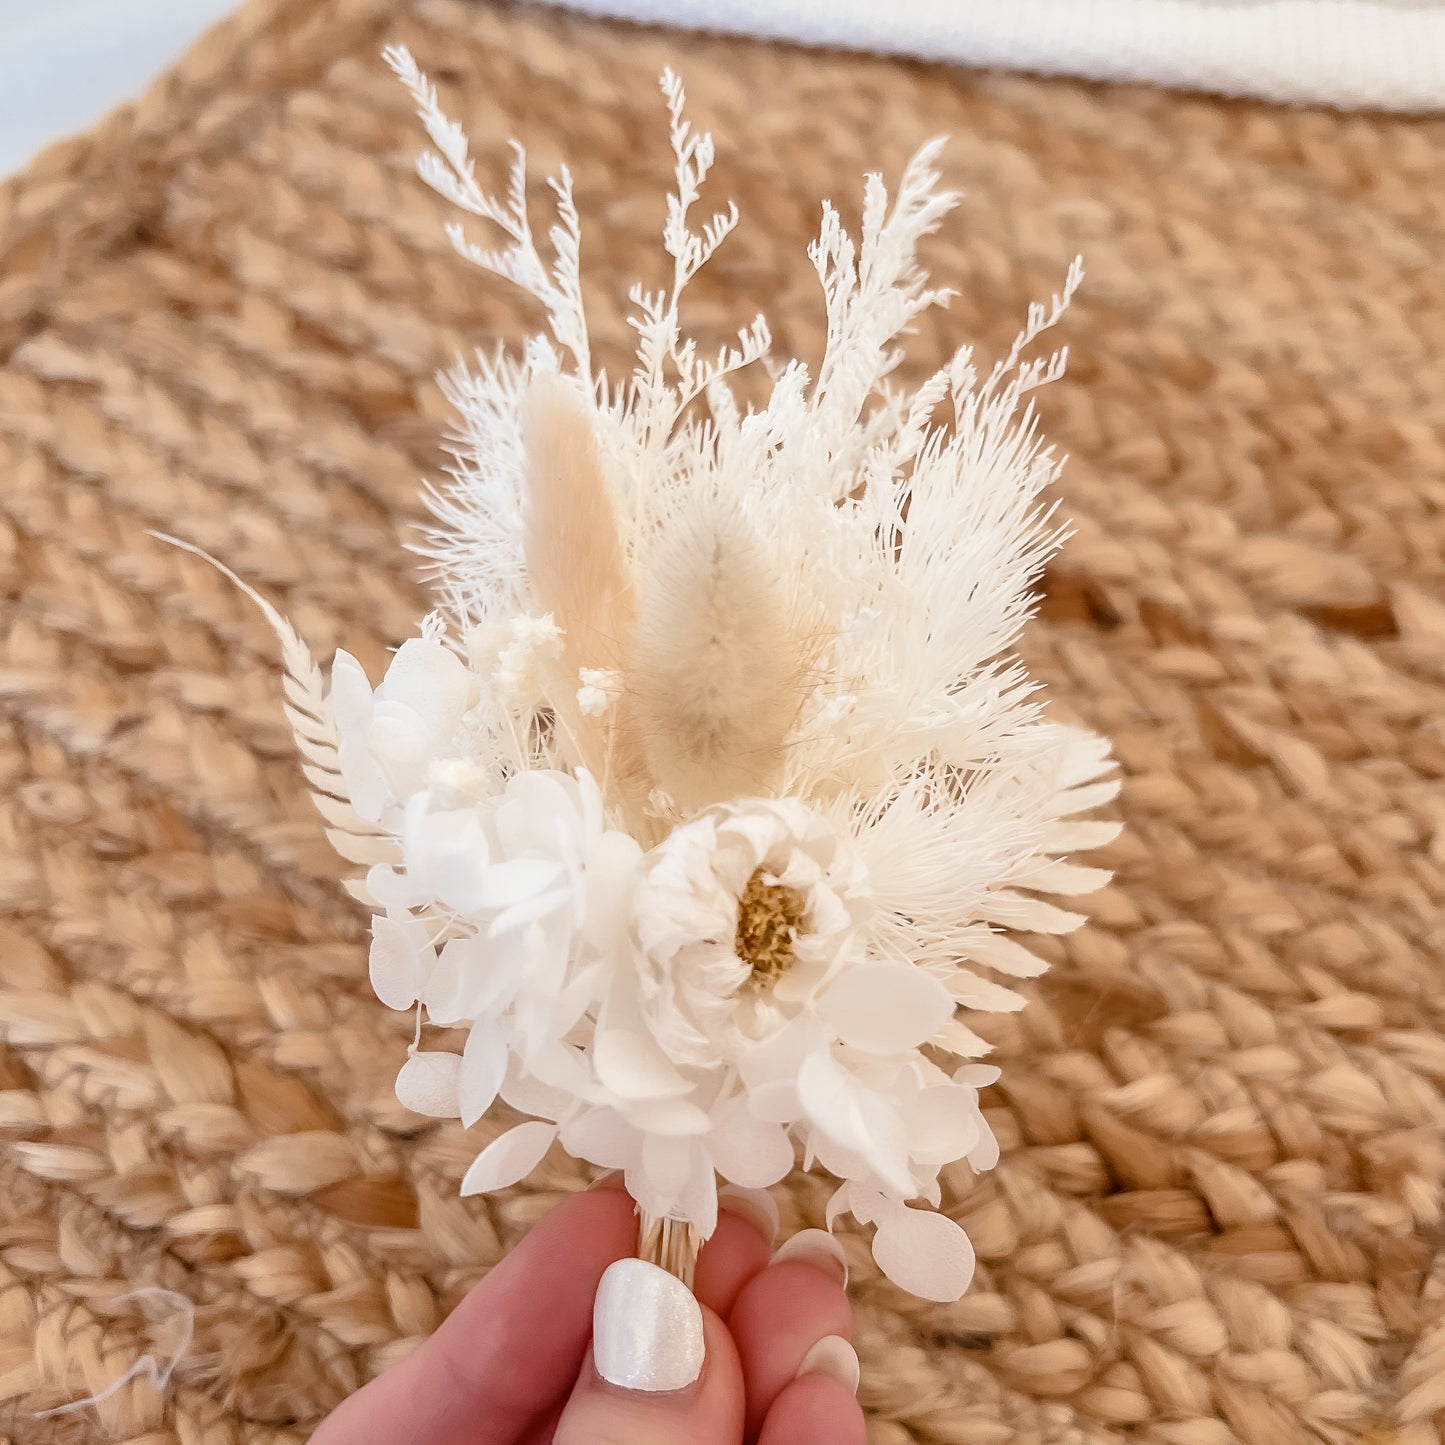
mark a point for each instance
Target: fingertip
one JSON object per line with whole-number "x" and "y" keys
{"x": 814, "y": 1409}
{"x": 793, "y": 1298}
{"x": 818, "y": 1248}
{"x": 737, "y": 1253}
{"x": 605, "y": 1200}
{"x": 757, "y": 1206}
{"x": 835, "y": 1357}
{"x": 779, "y": 1317}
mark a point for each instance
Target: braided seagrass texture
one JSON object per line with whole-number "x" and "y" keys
{"x": 1218, "y": 1215}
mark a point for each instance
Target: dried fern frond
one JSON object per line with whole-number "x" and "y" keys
{"x": 308, "y": 711}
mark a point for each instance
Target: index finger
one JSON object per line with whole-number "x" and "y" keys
{"x": 513, "y": 1347}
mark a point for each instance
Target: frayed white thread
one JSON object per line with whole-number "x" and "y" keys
{"x": 160, "y": 1374}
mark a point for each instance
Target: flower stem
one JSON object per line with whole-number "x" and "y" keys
{"x": 671, "y": 1244}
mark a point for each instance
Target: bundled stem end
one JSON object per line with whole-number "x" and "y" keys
{"x": 671, "y": 1244}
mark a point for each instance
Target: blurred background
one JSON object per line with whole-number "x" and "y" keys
{"x": 64, "y": 63}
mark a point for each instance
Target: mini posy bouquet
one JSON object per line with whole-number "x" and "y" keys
{"x": 709, "y": 797}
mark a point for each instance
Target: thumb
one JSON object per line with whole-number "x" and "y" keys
{"x": 662, "y": 1369}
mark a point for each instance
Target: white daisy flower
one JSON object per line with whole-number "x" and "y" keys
{"x": 741, "y": 917}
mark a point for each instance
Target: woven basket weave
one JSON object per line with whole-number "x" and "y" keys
{"x": 1219, "y": 1213}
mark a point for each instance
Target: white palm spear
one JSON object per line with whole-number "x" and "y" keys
{"x": 715, "y": 780}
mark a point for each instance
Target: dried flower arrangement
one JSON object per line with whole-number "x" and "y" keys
{"x": 707, "y": 800}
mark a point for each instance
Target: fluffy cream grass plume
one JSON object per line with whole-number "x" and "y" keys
{"x": 708, "y": 658}
{"x": 720, "y": 661}
{"x": 576, "y": 569}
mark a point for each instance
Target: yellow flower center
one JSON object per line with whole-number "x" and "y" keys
{"x": 769, "y": 916}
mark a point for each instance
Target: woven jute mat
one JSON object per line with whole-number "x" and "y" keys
{"x": 1218, "y": 1215}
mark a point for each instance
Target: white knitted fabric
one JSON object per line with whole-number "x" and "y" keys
{"x": 1386, "y": 54}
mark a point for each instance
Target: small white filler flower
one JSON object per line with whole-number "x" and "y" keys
{"x": 711, "y": 798}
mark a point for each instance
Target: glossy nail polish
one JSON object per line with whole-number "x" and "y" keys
{"x": 646, "y": 1328}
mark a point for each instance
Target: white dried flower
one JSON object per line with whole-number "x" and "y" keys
{"x": 389, "y": 738}
{"x": 600, "y": 686}
{"x": 531, "y": 643}
{"x": 714, "y": 830}
{"x": 459, "y": 779}
{"x": 743, "y": 914}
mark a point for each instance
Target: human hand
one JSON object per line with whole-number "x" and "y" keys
{"x": 517, "y": 1363}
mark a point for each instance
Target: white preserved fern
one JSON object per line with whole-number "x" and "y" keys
{"x": 711, "y": 799}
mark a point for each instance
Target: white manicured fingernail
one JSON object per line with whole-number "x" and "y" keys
{"x": 818, "y": 1248}
{"x": 834, "y": 1356}
{"x": 646, "y": 1328}
{"x": 754, "y": 1205}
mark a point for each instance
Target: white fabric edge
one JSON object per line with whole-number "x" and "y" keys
{"x": 1379, "y": 54}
